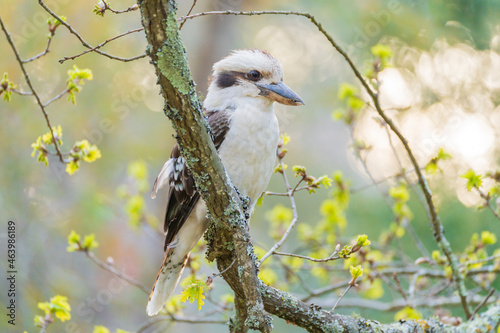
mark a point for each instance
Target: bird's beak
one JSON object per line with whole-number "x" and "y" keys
{"x": 279, "y": 92}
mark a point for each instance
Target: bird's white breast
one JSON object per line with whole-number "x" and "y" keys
{"x": 249, "y": 149}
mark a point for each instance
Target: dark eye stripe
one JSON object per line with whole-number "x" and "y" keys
{"x": 230, "y": 78}
{"x": 226, "y": 79}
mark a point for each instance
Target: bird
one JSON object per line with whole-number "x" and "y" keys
{"x": 239, "y": 108}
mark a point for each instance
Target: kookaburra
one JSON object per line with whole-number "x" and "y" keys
{"x": 239, "y": 108}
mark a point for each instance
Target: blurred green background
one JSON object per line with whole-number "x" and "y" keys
{"x": 443, "y": 90}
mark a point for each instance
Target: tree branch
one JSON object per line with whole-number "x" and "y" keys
{"x": 80, "y": 38}
{"x": 102, "y": 44}
{"x": 114, "y": 11}
{"x": 44, "y": 52}
{"x": 28, "y": 81}
{"x": 290, "y": 192}
{"x": 116, "y": 272}
{"x": 487, "y": 202}
{"x": 169, "y": 318}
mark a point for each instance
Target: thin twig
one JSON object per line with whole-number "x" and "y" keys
{"x": 296, "y": 189}
{"x": 224, "y": 271}
{"x": 488, "y": 203}
{"x": 82, "y": 41}
{"x": 383, "y": 180}
{"x": 188, "y": 13}
{"x": 324, "y": 290}
{"x": 61, "y": 94}
{"x": 101, "y": 45}
{"x": 493, "y": 257}
{"x": 415, "y": 271}
{"x": 46, "y": 323}
{"x": 333, "y": 256}
{"x": 340, "y": 298}
{"x": 159, "y": 319}
{"x": 412, "y": 287}
{"x": 22, "y": 93}
{"x": 400, "y": 303}
{"x": 49, "y": 39}
{"x": 399, "y": 288}
{"x": 367, "y": 170}
{"x": 418, "y": 242}
{"x": 129, "y": 9}
{"x": 302, "y": 283}
{"x": 116, "y": 272}
{"x": 28, "y": 81}
{"x": 276, "y": 194}
{"x": 439, "y": 288}
{"x": 290, "y": 192}
{"x": 490, "y": 293}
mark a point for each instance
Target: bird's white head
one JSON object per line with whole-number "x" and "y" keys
{"x": 245, "y": 74}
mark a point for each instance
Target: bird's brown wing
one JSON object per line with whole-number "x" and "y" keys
{"x": 182, "y": 194}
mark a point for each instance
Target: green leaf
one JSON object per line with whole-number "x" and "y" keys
{"x": 72, "y": 167}
{"x": 407, "y": 313}
{"x": 73, "y": 242}
{"x": 325, "y": 181}
{"x": 76, "y": 76}
{"x": 299, "y": 170}
{"x": 355, "y": 103}
{"x": 57, "y": 306}
{"x": 280, "y": 169}
{"x": 284, "y": 139}
{"x": 279, "y": 214}
{"x": 381, "y": 51}
{"x": 174, "y": 305}
{"x": 356, "y": 271}
{"x": 100, "y": 329}
{"x": 268, "y": 276}
{"x": 89, "y": 242}
{"x": 260, "y": 200}
{"x": 400, "y": 193}
{"x": 347, "y": 90}
{"x": 138, "y": 169}
{"x": 442, "y": 155}
{"x": 374, "y": 291}
{"x": 488, "y": 238}
{"x": 432, "y": 167}
{"x": 473, "y": 180}
{"x": 193, "y": 291}
{"x": 338, "y": 114}
{"x": 363, "y": 240}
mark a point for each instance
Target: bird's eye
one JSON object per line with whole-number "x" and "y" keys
{"x": 254, "y": 75}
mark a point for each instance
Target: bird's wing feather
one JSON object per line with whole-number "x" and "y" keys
{"x": 182, "y": 194}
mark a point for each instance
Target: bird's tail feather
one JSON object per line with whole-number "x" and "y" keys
{"x": 166, "y": 281}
